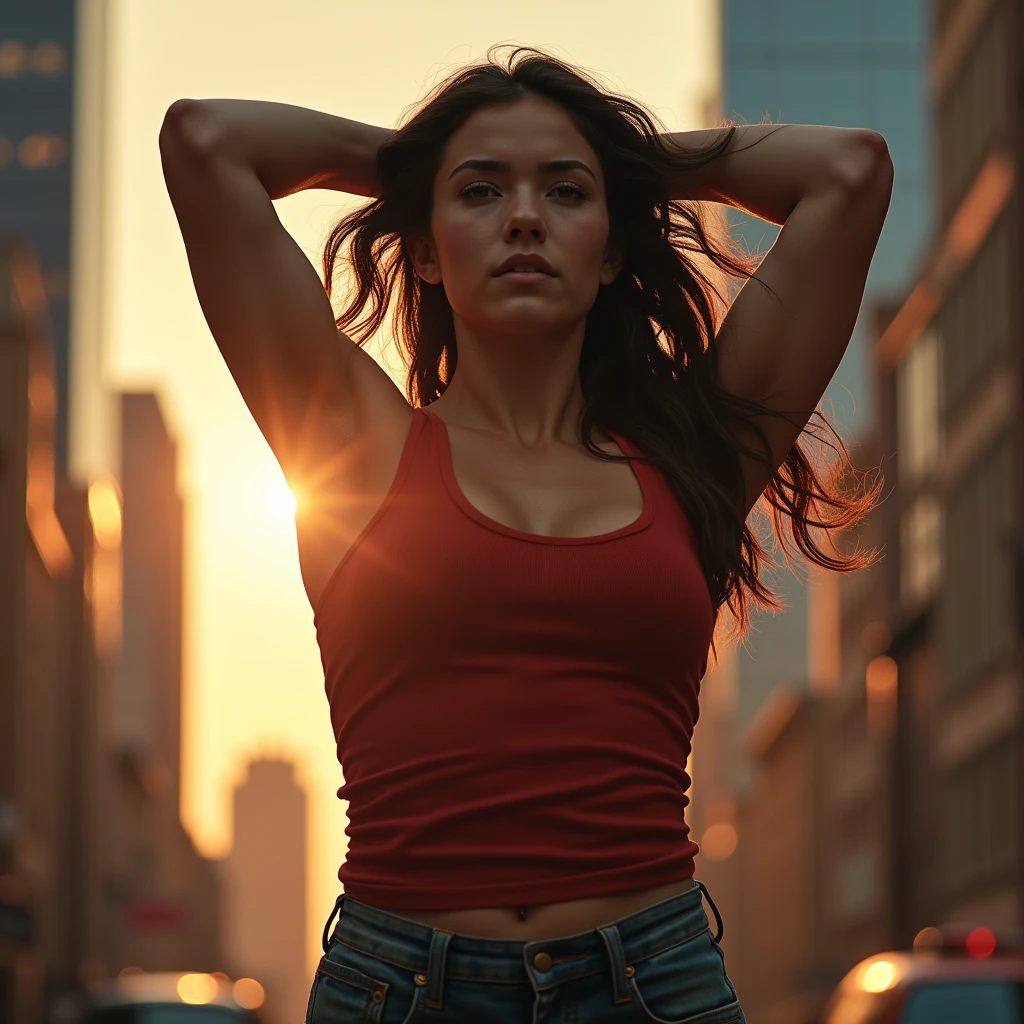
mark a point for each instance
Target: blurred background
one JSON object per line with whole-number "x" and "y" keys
{"x": 167, "y": 768}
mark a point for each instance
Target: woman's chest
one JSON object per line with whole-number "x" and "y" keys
{"x": 563, "y": 491}
{"x": 444, "y": 586}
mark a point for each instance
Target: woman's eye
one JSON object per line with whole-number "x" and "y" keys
{"x": 564, "y": 186}
{"x": 473, "y": 188}
{"x": 579, "y": 190}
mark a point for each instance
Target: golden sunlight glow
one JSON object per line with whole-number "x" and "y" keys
{"x": 281, "y": 500}
{"x": 879, "y": 976}
{"x": 105, "y": 513}
{"x": 197, "y": 988}
{"x": 248, "y": 993}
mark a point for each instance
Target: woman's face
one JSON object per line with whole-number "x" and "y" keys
{"x": 482, "y": 215}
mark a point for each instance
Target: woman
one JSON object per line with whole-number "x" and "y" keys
{"x": 513, "y": 633}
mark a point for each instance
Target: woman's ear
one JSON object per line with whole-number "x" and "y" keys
{"x": 613, "y": 260}
{"x": 424, "y": 258}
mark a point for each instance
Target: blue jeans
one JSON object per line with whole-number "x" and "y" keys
{"x": 660, "y": 964}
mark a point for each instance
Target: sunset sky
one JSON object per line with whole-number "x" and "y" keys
{"x": 253, "y": 679}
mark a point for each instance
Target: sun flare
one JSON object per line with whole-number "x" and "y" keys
{"x": 282, "y": 500}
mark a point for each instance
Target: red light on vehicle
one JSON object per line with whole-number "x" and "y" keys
{"x": 980, "y": 943}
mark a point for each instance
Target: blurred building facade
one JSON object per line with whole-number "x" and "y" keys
{"x": 48, "y": 723}
{"x": 265, "y": 888}
{"x": 96, "y": 872}
{"x": 905, "y": 810}
{"x": 161, "y": 898}
{"x": 949, "y": 369}
{"x": 853, "y": 65}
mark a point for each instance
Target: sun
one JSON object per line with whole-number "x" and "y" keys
{"x": 281, "y": 500}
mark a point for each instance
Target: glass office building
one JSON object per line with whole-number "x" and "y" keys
{"x": 37, "y": 51}
{"x": 863, "y": 65}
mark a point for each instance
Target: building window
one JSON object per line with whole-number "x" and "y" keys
{"x": 42, "y": 150}
{"x": 983, "y": 815}
{"x": 973, "y": 114}
{"x": 49, "y": 59}
{"x": 917, "y": 407}
{"x": 977, "y": 593}
{"x": 920, "y": 549}
{"x": 13, "y": 58}
{"x": 974, "y": 323}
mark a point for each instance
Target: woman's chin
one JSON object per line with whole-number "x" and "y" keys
{"x": 525, "y": 314}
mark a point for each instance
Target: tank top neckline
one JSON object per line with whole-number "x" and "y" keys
{"x": 640, "y": 470}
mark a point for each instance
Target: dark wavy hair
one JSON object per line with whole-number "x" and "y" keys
{"x": 648, "y": 363}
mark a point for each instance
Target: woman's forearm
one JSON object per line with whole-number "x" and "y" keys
{"x": 768, "y": 168}
{"x": 289, "y": 148}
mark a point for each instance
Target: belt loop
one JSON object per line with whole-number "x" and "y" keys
{"x": 327, "y": 927}
{"x": 435, "y": 967}
{"x": 718, "y": 917}
{"x": 620, "y": 979}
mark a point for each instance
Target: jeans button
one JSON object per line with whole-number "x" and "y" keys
{"x": 542, "y": 961}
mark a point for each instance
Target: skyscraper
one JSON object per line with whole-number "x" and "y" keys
{"x": 161, "y": 909}
{"x": 53, "y": 59}
{"x": 148, "y": 711}
{"x": 37, "y": 54}
{"x": 265, "y": 887}
{"x": 860, "y": 65}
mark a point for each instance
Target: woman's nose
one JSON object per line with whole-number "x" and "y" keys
{"x": 525, "y": 218}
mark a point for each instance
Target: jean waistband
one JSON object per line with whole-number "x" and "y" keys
{"x": 415, "y": 947}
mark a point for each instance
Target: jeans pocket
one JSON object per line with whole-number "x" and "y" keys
{"x": 685, "y": 984}
{"x": 344, "y": 990}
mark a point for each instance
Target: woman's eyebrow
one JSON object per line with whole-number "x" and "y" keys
{"x": 501, "y": 165}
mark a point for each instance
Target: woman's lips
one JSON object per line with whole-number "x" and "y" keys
{"x": 525, "y": 276}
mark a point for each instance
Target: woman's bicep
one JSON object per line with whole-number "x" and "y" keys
{"x": 262, "y": 299}
{"x": 787, "y": 330}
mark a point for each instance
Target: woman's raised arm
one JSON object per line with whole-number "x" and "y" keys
{"x": 224, "y": 162}
{"x": 787, "y": 330}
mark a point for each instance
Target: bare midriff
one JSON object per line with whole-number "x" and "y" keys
{"x": 545, "y": 920}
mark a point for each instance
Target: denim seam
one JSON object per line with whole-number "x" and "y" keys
{"x": 671, "y": 945}
{"x": 312, "y": 998}
{"x": 709, "y": 1016}
{"x": 451, "y": 974}
{"x": 380, "y": 956}
{"x": 337, "y": 972}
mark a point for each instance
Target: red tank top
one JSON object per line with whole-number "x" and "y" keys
{"x": 513, "y": 712}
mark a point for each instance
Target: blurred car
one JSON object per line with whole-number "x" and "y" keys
{"x": 950, "y": 977}
{"x": 141, "y": 997}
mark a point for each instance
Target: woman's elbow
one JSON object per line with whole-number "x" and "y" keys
{"x": 863, "y": 164}
{"x": 188, "y": 126}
